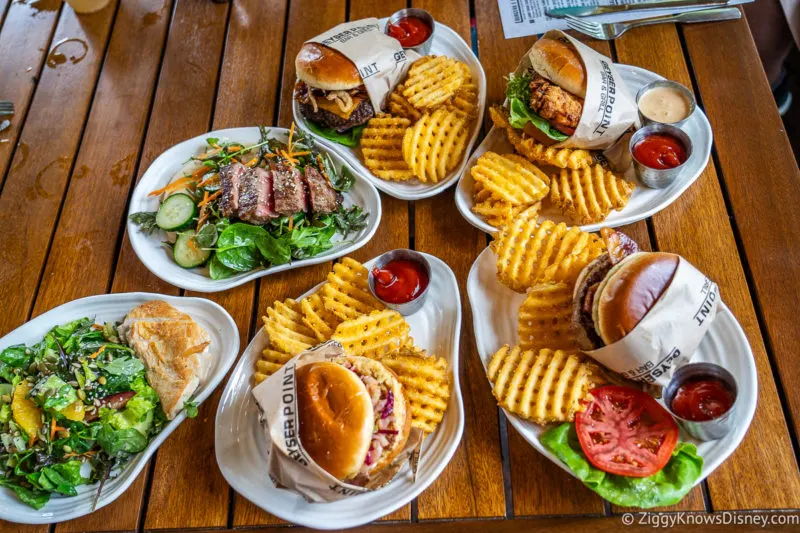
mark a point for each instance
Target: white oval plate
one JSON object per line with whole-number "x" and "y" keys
{"x": 644, "y": 202}
{"x": 241, "y": 445}
{"x": 111, "y": 308}
{"x": 158, "y": 258}
{"x": 494, "y": 311}
{"x": 448, "y": 43}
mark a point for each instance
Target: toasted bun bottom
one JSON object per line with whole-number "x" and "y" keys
{"x": 559, "y": 62}
{"x": 325, "y": 68}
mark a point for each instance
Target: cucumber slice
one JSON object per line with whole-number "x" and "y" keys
{"x": 187, "y": 253}
{"x": 176, "y": 212}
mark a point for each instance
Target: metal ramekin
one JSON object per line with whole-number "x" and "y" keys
{"x": 408, "y": 308}
{"x": 666, "y": 83}
{"x": 715, "y": 428}
{"x": 423, "y": 48}
{"x": 656, "y": 178}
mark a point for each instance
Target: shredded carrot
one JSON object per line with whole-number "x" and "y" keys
{"x": 252, "y": 162}
{"x": 270, "y": 156}
{"x": 97, "y": 326}
{"x": 98, "y": 352}
{"x": 212, "y": 178}
{"x": 84, "y": 454}
{"x": 31, "y": 440}
{"x": 200, "y": 172}
{"x": 235, "y": 147}
{"x": 291, "y": 223}
{"x": 202, "y": 218}
{"x": 208, "y": 199}
{"x": 187, "y": 181}
{"x": 288, "y": 157}
{"x": 52, "y": 429}
{"x": 301, "y": 153}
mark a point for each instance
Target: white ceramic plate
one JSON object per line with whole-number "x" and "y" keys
{"x": 644, "y": 202}
{"x": 158, "y": 259}
{"x": 241, "y": 445}
{"x": 111, "y": 308}
{"x": 448, "y": 43}
{"x": 494, "y": 311}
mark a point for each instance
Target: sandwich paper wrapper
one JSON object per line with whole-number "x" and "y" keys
{"x": 380, "y": 59}
{"x": 289, "y": 466}
{"x": 666, "y": 338}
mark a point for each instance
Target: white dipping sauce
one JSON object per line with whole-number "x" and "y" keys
{"x": 664, "y": 104}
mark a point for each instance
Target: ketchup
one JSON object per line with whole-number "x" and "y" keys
{"x": 702, "y": 399}
{"x": 400, "y": 281}
{"x": 660, "y": 151}
{"x": 410, "y": 31}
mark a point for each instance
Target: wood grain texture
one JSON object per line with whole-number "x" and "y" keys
{"x": 24, "y": 42}
{"x": 762, "y": 181}
{"x": 35, "y": 185}
{"x": 762, "y": 473}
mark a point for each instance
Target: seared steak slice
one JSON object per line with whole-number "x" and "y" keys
{"x": 230, "y": 178}
{"x": 324, "y": 199}
{"x": 289, "y": 190}
{"x": 255, "y": 196}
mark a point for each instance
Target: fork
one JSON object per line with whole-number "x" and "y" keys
{"x": 609, "y": 31}
{"x": 6, "y": 107}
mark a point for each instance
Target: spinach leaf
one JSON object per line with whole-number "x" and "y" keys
{"x": 219, "y": 271}
{"x": 207, "y": 236}
{"x": 16, "y": 356}
{"x": 119, "y": 442}
{"x": 240, "y": 259}
{"x": 276, "y": 251}
{"x": 237, "y": 248}
{"x": 61, "y": 478}
{"x": 146, "y": 220}
{"x": 123, "y": 366}
{"x": 34, "y": 497}
{"x": 53, "y": 393}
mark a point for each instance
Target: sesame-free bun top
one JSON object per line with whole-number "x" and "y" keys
{"x": 336, "y": 417}
{"x": 325, "y": 68}
{"x": 628, "y": 292}
{"x": 559, "y": 62}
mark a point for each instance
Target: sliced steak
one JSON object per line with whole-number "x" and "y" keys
{"x": 230, "y": 177}
{"x": 323, "y": 197}
{"x": 289, "y": 190}
{"x": 255, "y": 196}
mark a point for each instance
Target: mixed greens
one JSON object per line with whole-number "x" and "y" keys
{"x": 198, "y": 234}
{"x": 518, "y": 92}
{"x": 74, "y": 409}
{"x": 349, "y": 138}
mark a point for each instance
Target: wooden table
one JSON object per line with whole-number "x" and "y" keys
{"x": 157, "y": 72}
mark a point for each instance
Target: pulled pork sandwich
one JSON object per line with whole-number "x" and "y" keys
{"x": 546, "y": 102}
{"x": 614, "y": 292}
{"x": 330, "y": 90}
{"x": 354, "y": 418}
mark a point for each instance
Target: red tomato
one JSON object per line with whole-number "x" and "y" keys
{"x": 625, "y": 431}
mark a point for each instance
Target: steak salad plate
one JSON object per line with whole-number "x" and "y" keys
{"x": 242, "y": 446}
{"x": 229, "y": 206}
{"x": 128, "y": 427}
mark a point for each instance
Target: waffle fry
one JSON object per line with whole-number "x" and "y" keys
{"x": 511, "y": 178}
{"x": 497, "y": 213}
{"x": 558, "y": 157}
{"x": 588, "y": 195}
{"x": 285, "y": 327}
{"x": 373, "y": 335}
{"x": 435, "y": 144}
{"x": 544, "y": 387}
{"x": 270, "y": 362}
{"x": 465, "y": 100}
{"x": 426, "y": 385}
{"x": 433, "y": 82}
{"x": 545, "y": 318}
{"x": 346, "y": 294}
{"x": 399, "y": 106}
{"x": 382, "y": 146}
{"x": 318, "y": 319}
{"x": 529, "y": 253}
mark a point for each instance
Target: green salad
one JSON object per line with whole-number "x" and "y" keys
{"x": 74, "y": 409}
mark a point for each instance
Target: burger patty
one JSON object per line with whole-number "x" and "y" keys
{"x": 582, "y": 321}
{"x": 360, "y": 115}
{"x": 561, "y": 108}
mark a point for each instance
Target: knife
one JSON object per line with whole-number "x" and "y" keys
{"x": 590, "y": 11}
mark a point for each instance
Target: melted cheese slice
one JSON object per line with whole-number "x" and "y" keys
{"x": 333, "y": 107}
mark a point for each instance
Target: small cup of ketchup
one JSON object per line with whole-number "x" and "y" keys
{"x": 400, "y": 280}
{"x": 702, "y": 398}
{"x": 659, "y": 152}
{"x": 414, "y": 28}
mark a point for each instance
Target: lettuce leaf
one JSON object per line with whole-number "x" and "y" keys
{"x": 666, "y": 487}
{"x": 521, "y": 114}
{"x": 34, "y": 497}
{"x": 348, "y": 138}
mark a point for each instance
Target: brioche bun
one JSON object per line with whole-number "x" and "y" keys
{"x": 325, "y": 68}
{"x": 629, "y": 290}
{"x": 559, "y": 62}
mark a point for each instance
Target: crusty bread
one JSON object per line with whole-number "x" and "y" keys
{"x": 173, "y": 348}
{"x": 325, "y": 68}
{"x": 559, "y": 62}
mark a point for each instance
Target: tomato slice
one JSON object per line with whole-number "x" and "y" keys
{"x": 625, "y": 431}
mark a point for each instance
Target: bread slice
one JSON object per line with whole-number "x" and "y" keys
{"x": 173, "y": 348}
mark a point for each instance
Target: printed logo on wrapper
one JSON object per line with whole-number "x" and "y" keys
{"x": 669, "y": 333}
{"x": 380, "y": 59}
{"x": 289, "y": 466}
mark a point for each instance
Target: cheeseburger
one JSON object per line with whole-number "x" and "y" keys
{"x": 354, "y": 418}
{"x": 615, "y": 291}
{"x": 329, "y": 89}
{"x": 546, "y": 102}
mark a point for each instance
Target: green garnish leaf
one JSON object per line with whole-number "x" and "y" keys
{"x": 349, "y": 138}
{"x": 191, "y": 409}
{"x": 146, "y": 220}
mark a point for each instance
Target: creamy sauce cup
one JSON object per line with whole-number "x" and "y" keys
{"x": 705, "y": 430}
{"x": 423, "y": 48}
{"x": 407, "y": 308}
{"x": 658, "y": 178}
{"x": 666, "y": 84}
